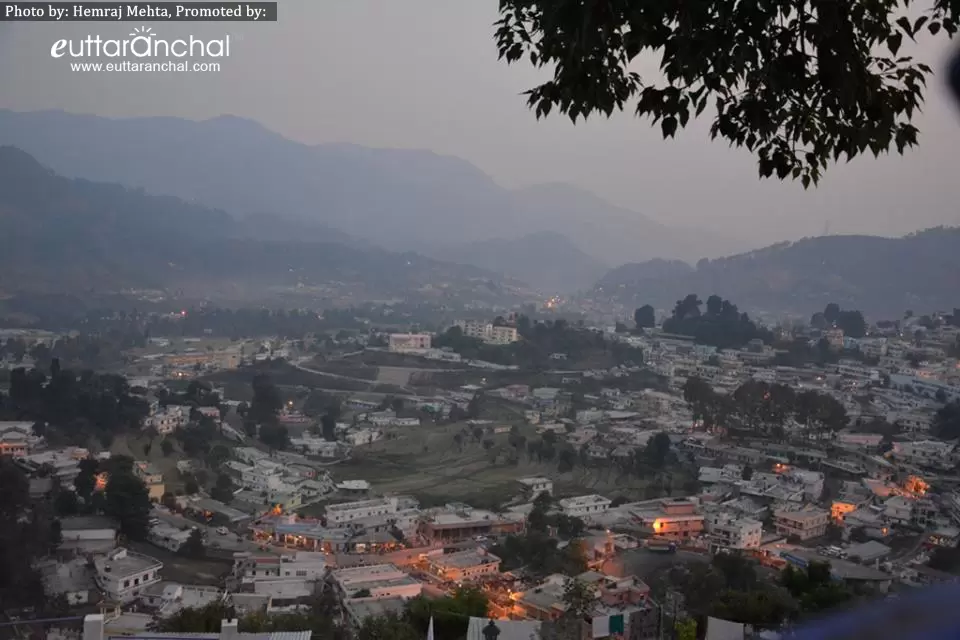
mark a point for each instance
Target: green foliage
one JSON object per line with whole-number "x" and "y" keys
{"x": 685, "y": 629}
{"x": 946, "y": 424}
{"x": 800, "y": 84}
{"x": 761, "y": 608}
{"x": 762, "y": 408}
{"x": 266, "y": 400}
{"x": 451, "y": 614}
{"x": 722, "y": 326}
{"x": 28, "y": 532}
{"x": 275, "y": 436}
{"x": 814, "y": 588}
{"x": 320, "y": 618}
{"x": 76, "y": 408}
{"x": 645, "y": 317}
{"x": 193, "y": 547}
{"x": 538, "y": 341}
{"x": 196, "y": 620}
{"x": 388, "y": 627}
{"x": 126, "y": 499}
{"x": 223, "y": 489}
{"x": 851, "y": 322}
{"x": 946, "y": 559}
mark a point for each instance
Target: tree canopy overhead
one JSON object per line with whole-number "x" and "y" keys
{"x": 800, "y": 83}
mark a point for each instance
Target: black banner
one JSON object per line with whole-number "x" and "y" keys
{"x": 138, "y": 11}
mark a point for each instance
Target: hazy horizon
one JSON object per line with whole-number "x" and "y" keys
{"x": 426, "y": 76}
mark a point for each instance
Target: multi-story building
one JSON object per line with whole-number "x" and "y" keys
{"x": 375, "y": 581}
{"x": 170, "y": 418}
{"x": 670, "y": 518}
{"x": 804, "y": 523}
{"x": 340, "y": 514}
{"x": 464, "y": 566}
{"x": 488, "y": 332}
{"x": 14, "y": 444}
{"x": 403, "y": 342}
{"x": 502, "y": 335}
{"x": 583, "y": 506}
{"x": 731, "y": 532}
{"x": 123, "y": 574}
{"x": 532, "y": 487}
{"x": 460, "y": 522}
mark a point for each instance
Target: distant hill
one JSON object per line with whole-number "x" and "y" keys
{"x": 399, "y": 199}
{"x": 547, "y": 261}
{"x": 59, "y": 235}
{"x": 610, "y": 233}
{"x": 880, "y": 276}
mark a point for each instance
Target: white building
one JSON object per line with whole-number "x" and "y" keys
{"x": 583, "y": 506}
{"x": 732, "y": 532}
{"x": 123, "y": 574}
{"x": 376, "y": 582}
{"x": 170, "y": 418}
{"x": 406, "y": 342}
{"x": 488, "y": 332}
{"x": 533, "y": 487}
{"x": 340, "y": 514}
{"x": 931, "y": 453}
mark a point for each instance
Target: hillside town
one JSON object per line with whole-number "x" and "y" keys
{"x": 501, "y": 477}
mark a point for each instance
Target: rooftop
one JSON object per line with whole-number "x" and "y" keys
{"x": 470, "y": 558}
{"x": 121, "y": 562}
{"x": 86, "y": 523}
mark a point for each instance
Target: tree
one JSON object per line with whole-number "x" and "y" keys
{"x": 451, "y": 614}
{"x": 831, "y": 313}
{"x": 387, "y": 627}
{"x": 645, "y": 317}
{"x": 852, "y": 323}
{"x": 166, "y": 447}
{"x": 190, "y": 487}
{"x": 193, "y": 547}
{"x": 28, "y": 532}
{"x": 686, "y": 629}
{"x": 328, "y": 427}
{"x": 128, "y": 501}
{"x": 223, "y": 489}
{"x": 946, "y": 422}
{"x": 799, "y": 84}
{"x": 266, "y": 400}
{"x": 275, "y": 436}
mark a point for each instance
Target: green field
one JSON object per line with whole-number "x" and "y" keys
{"x": 426, "y": 462}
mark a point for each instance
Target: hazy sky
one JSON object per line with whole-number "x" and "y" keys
{"x": 424, "y": 74}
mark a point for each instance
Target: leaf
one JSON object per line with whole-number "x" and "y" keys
{"x": 893, "y": 43}
{"x": 669, "y": 126}
{"x": 934, "y": 28}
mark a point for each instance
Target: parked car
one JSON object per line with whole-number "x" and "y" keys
{"x": 222, "y": 531}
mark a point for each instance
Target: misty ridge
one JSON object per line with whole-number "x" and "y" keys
{"x": 398, "y": 199}
{"x": 380, "y": 209}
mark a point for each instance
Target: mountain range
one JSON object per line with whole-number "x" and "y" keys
{"x": 61, "y": 235}
{"x": 546, "y": 260}
{"x": 880, "y": 276}
{"x": 399, "y": 199}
